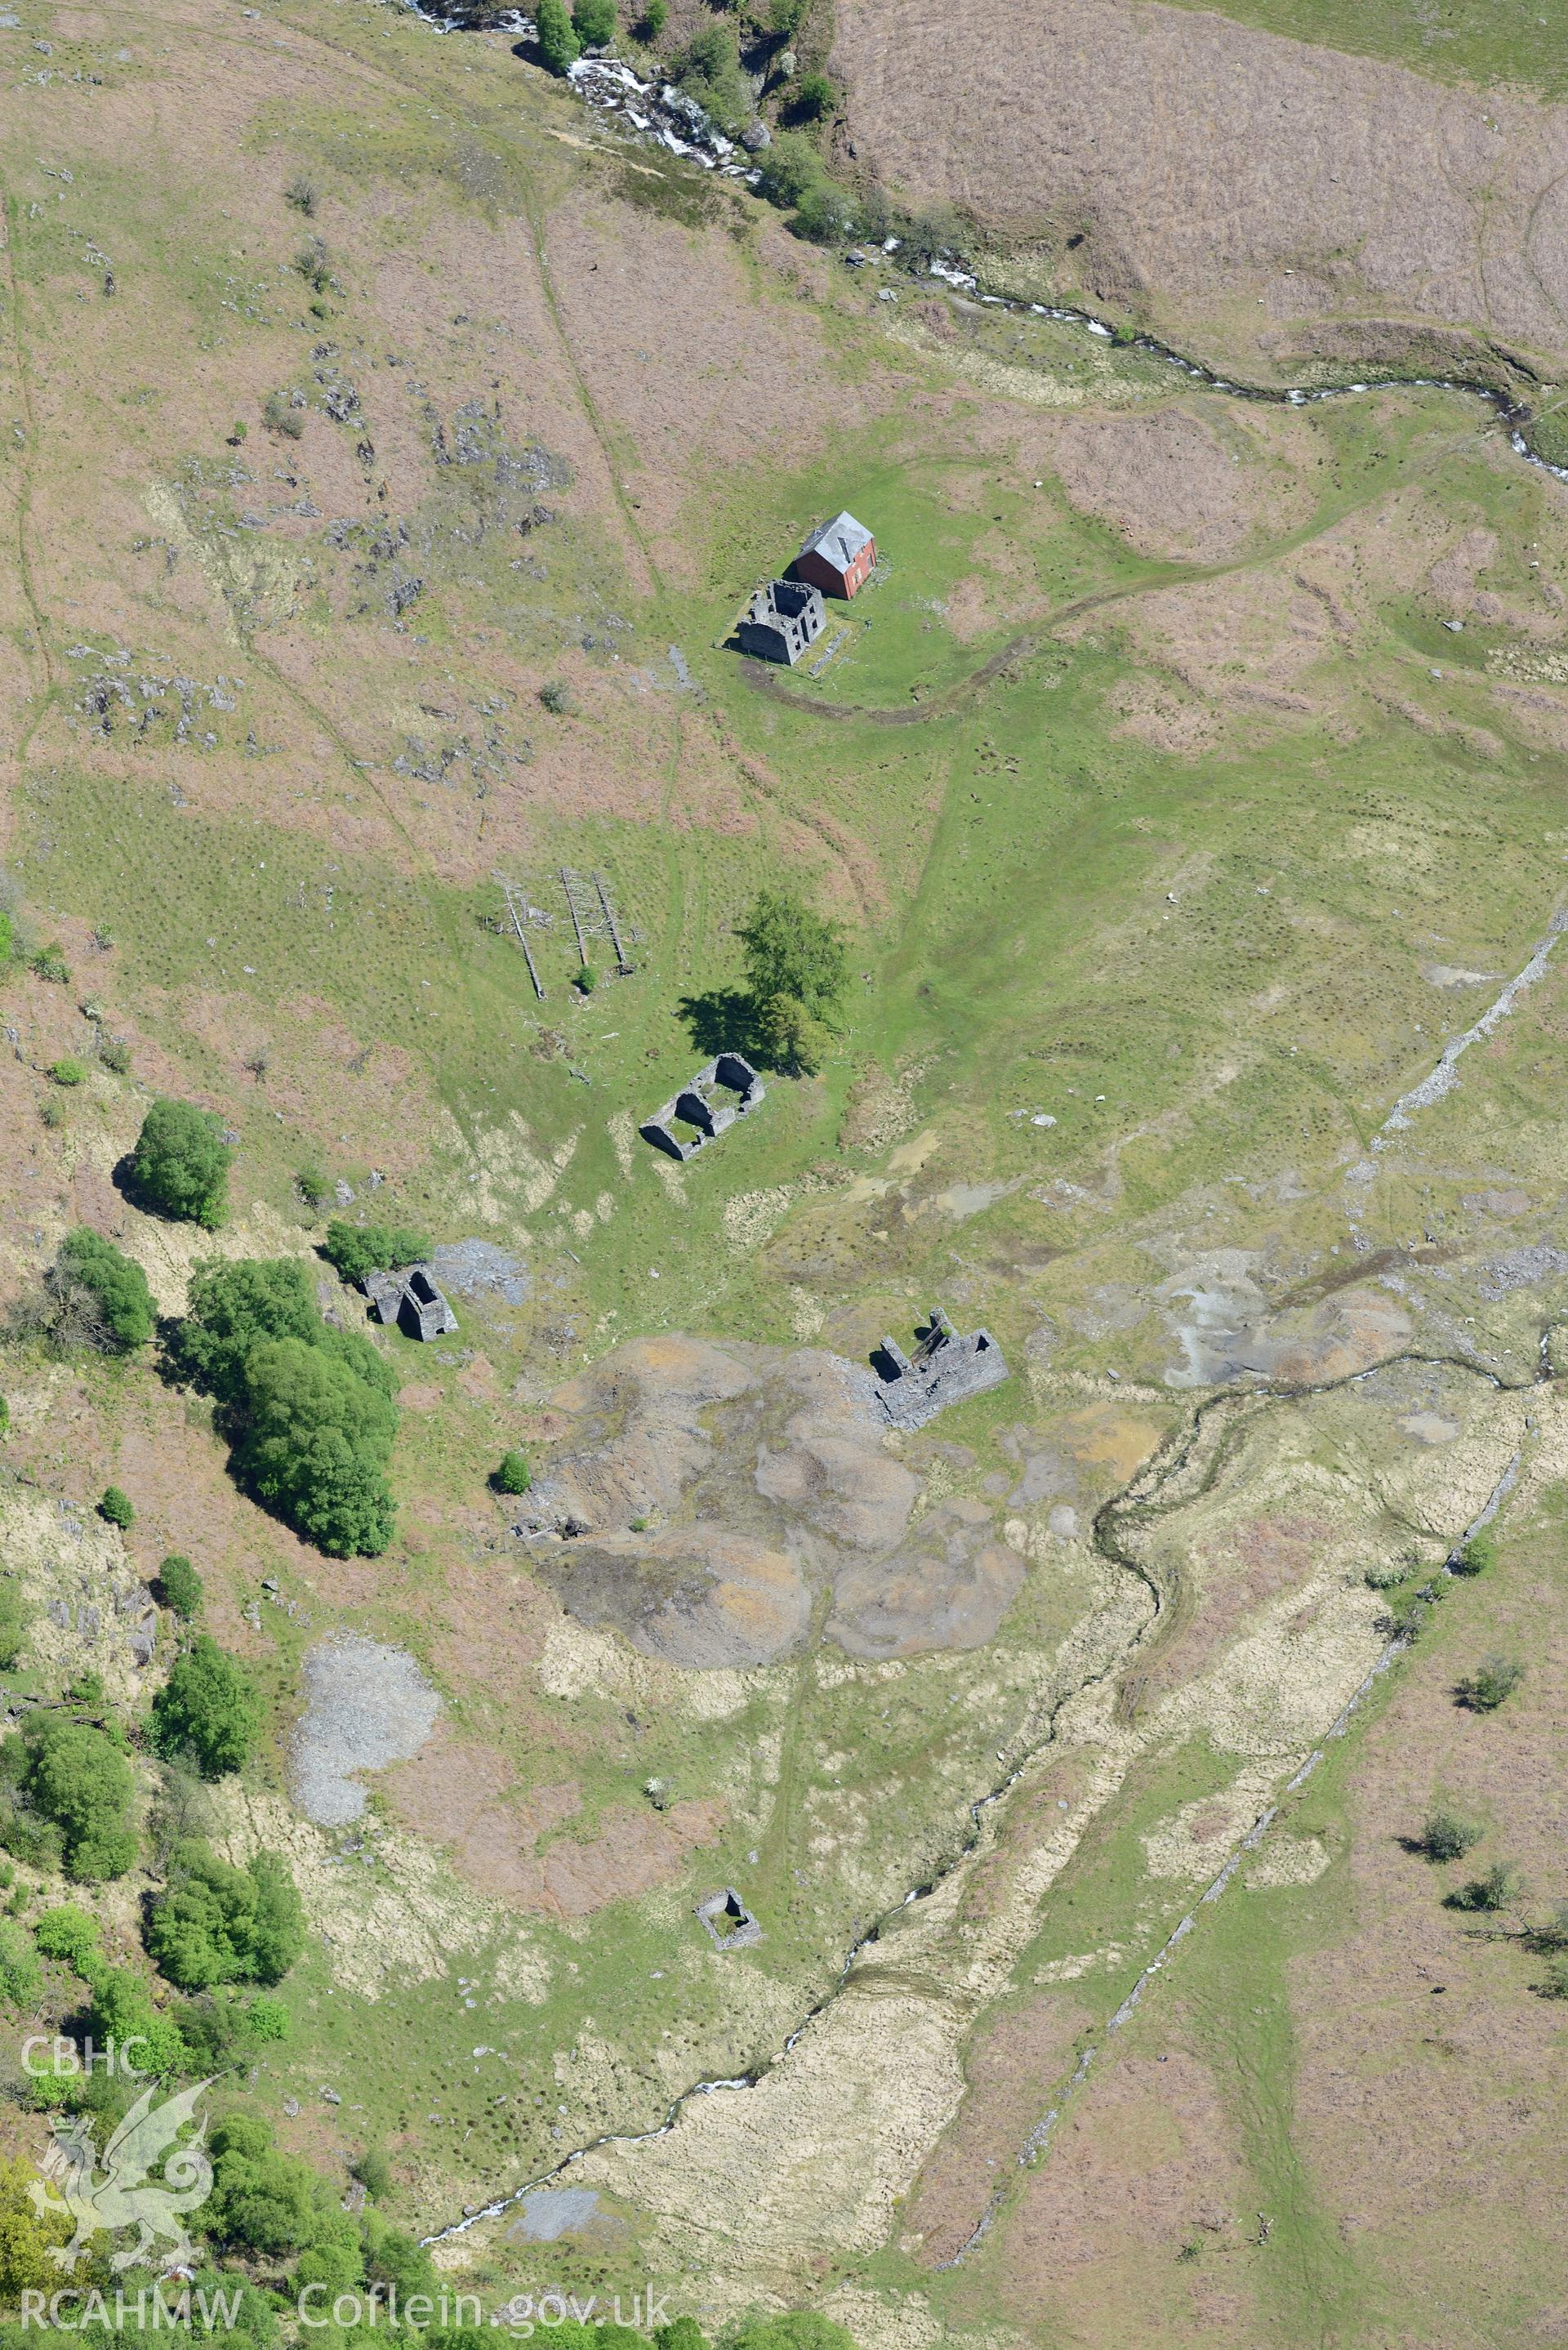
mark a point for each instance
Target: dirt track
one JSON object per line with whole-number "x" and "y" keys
{"x": 1250, "y": 188}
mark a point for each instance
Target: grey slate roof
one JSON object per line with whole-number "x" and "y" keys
{"x": 839, "y": 540}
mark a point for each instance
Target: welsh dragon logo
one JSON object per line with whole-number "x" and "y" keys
{"x": 126, "y": 2194}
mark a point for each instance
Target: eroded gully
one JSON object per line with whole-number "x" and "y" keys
{"x": 1139, "y": 1500}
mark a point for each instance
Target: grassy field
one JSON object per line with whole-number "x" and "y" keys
{"x": 1265, "y": 2181}
{"x": 1517, "y": 46}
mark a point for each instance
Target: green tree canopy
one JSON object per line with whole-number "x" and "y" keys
{"x": 788, "y": 168}
{"x": 262, "y": 2200}
{"x": 179, "y": 1164}
{"x": 593, "y": 22}
{"x": 558, "y": 44}
{"x": 76, "y": 1778}
{"x": 814, "y": 96}
{"x": 116, "y": 1508}
{"x": 209, "y": 1708}
{"x": 21, "y": 1975}
{"x": 1494, "y": 1679}
{"x": 514, "y": 1475}
{"x": 1447, "y": 1835}
{"x": 27, "y": 2234}
{"x": 180, "y": 1586}
{"x": 392, "y": 2257}
{"x": 825, "y": 212}
{"x": 218, "y": 1924}
{"x": 269, "y": 2203}
{"x": 790, "y": 950}
{"x": 231, "y": 1309}
{"x": 680, "y": 2333}
{"x": 120, "y": 1302}
{"x": 709, "y": 71}
{"x": 264, "y": 2018}
{"x": 1477, "y": 1557}
{"x": 213, "y": 2299}
{"x": 122, "y": 2009}
{"x": 335, "y": 2255}
{"x": 790, "y": 1037}
{"x": 309, "y": 1407}
{"x": 69, "y": 1933}
{"x": 318, "y": 1445}
{"x": 374, "y": 2173}
{"x": 357, "y": 1249}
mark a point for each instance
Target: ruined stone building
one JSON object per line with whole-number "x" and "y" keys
{"x": 411, "y": 1300}
{"x": 696, "y": 1108}
{"x": 782, "y": 619}
{"x": 731, "y": 1925}
{"x": 944, "y": 1369}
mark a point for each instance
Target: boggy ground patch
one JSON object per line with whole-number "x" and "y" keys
{"x": 718, "y": 1488}
{"x": 461, "y": 1795}
{"x": 1263, "y": 1562}
{"x": 1177, "y": 485}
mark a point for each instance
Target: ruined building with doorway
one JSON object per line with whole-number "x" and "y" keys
{"x": 944, "y": 1369}
{"x": 696, "y": 1109}
{"x": 782, "y": 619}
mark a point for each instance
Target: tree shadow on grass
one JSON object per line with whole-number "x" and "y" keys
{"x": 722, "y": 1021}
{"x": 122, "y": 1175}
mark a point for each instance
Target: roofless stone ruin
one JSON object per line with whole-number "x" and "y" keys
{"x": 698, "y": 1109}
{"x": 944, "y": 1369}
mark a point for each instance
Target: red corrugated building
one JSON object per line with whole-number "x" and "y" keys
{"x": 837, "y": 557}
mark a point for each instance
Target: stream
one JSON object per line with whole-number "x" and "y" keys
{"x": 1139, "y": 1496}
{"x": 660, "y": 114}
{"x": 663, "y": 115}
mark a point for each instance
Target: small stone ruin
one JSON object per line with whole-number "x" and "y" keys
{"x": 411, "y": 1300}
{"x": 694, "y": 1106}
{"x": 944, "y": 1369}
{"x": 781, "y": 621}
{"x": 731, "y": 1925}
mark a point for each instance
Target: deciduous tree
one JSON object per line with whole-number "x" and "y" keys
{"x": 179, "y": 1164}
